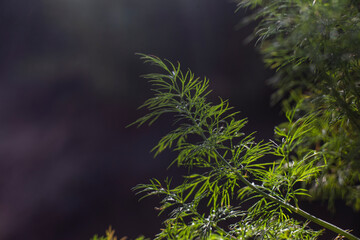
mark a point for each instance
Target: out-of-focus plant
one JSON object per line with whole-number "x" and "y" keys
{"x": 314, "y": 45}
{"x": 110, "y": 235}
{"x": 236, "y": 188}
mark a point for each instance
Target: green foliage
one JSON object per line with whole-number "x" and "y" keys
{"x": 236, "y": 187}
{"x": 240, "y": 188}
{"x": 314, "y": 47}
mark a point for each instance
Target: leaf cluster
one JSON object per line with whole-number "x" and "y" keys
{"x": 314, "y": 45}
{"x": 235, "y": 184}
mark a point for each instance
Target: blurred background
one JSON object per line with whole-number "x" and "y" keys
{"x": 70, "y": 83}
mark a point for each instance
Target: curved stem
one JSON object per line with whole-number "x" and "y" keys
{"x": 299, "y": 211}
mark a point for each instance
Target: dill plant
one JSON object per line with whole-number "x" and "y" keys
{"x": 250, "y": 188}
{"x": 240, "y": 188}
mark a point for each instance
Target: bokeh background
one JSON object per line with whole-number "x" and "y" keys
{"x": 69, "y": 85}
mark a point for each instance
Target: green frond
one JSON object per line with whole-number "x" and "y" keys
{"x": 226, "y": 167}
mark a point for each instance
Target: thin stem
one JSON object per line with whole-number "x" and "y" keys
{"x": 299, "y": 211}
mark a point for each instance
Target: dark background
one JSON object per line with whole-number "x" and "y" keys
{"x": 69, "y": 84}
